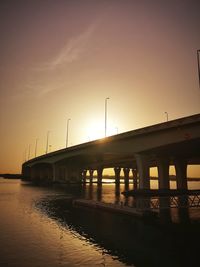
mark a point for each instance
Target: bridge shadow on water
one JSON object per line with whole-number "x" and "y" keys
{"x": 134, "y": 241}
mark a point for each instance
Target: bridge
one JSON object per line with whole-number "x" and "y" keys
{"x": 175, "y": 142}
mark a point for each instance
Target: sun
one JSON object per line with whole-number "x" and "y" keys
{"x": 95, "y": 129}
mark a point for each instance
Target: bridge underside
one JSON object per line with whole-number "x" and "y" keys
{"x": 171, "y": 143}
{"x": 75, "y": 169}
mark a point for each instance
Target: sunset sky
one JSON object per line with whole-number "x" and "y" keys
{"x": 60, "y": 59}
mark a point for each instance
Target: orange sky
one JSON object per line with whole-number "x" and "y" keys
{"x": 61, "y": 59}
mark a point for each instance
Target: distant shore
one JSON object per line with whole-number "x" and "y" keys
{"x": 11, "y": 176}
{"x": 172, "y": 177}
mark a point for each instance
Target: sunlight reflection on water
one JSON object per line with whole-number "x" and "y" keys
{"x": 38, "y": 228}
{"x": 30, "y": 238}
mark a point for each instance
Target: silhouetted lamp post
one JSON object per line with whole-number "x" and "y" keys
{"x": 25, "y": 155}
{"x": 166, "y": 115}
{"x": 198, "y": 52}
{"x": 106, "y": 115}
{"x": 47, "y": 145}
{"x": 67, "y": 134}
{"x": 29, "y": 151}
{"x": 36, "y": 142}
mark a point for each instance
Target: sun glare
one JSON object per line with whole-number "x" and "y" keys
{"x": 95, "y": 129}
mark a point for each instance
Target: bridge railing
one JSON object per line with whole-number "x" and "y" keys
{"x": 159, "y": 203}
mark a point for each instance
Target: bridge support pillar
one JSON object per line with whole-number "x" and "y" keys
{"x": 117, "y": 171}
{"x": 143, "y": 170}
{"x": 65, "y": 173}
{"x": 84, "y": 174}
{"x": 91, "y": 175}
{"x": 99, "y": 175}
{"x": 42, "y": 174}
{"x": 181, "y": 173}
{"x": 33, "y": 174}
{"x": 163, "y": 173}
{"x": 126, "y": 175}
{"x": 135, "y": 172}
{"x": 53, "y": 172}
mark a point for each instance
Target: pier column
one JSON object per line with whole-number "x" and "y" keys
{"x": 91, "y": 175}
{"x": 42, "y": 174}
{"x": 99, "y": 192}
{"x": 164, "y": 209}
{"x": 99, "y": 175}
{"x": 65, "y": 173}
{"x": 163, "y": 173}
{"x": 50, "y": 174}
{"x": 33, "y": 174}
{"x": 84, "y": 174}
{"x": 117, "y": 171}
{"x": 54, "y": 172}
{"x": 183, "y": 210}
{"x": 126, "y": 175}
{"x": 135, "y": 173}
{"x": 181, "y": 173}
{"x": 143, "y": 170}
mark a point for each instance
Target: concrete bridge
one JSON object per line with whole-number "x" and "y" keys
{"x": 175, "y": 142}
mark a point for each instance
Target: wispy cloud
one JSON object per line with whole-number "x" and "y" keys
{"x": 72, "y": 51}
{"x": 39, "y": 90}
{"x": 42, "y": 83}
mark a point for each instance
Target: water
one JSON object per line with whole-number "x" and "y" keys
{"x": 38, "y": 228}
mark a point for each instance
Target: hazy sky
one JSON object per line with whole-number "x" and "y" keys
{"x": 60, "y": 59}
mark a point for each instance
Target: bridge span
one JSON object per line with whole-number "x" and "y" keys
{"x": 175, "y": 142}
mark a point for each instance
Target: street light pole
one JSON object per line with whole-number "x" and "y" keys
{"x": 29, "y": 151}
{"x": 106, "y": 115}
{"x": 36, "y": 141}
{"x": 67, "y": 135}
{"x": 198, "y": 52}
{"x": 25, "y": 155}
{"x": 166, "y": 115}
{"x": 47, "y": 145}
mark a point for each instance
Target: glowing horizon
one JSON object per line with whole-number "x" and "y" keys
{"x": 63, "y": 61}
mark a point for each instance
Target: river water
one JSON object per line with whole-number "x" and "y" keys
{"x": 38, "y": 228}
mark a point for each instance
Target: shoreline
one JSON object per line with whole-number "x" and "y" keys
{"x": 172, "y": 177}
